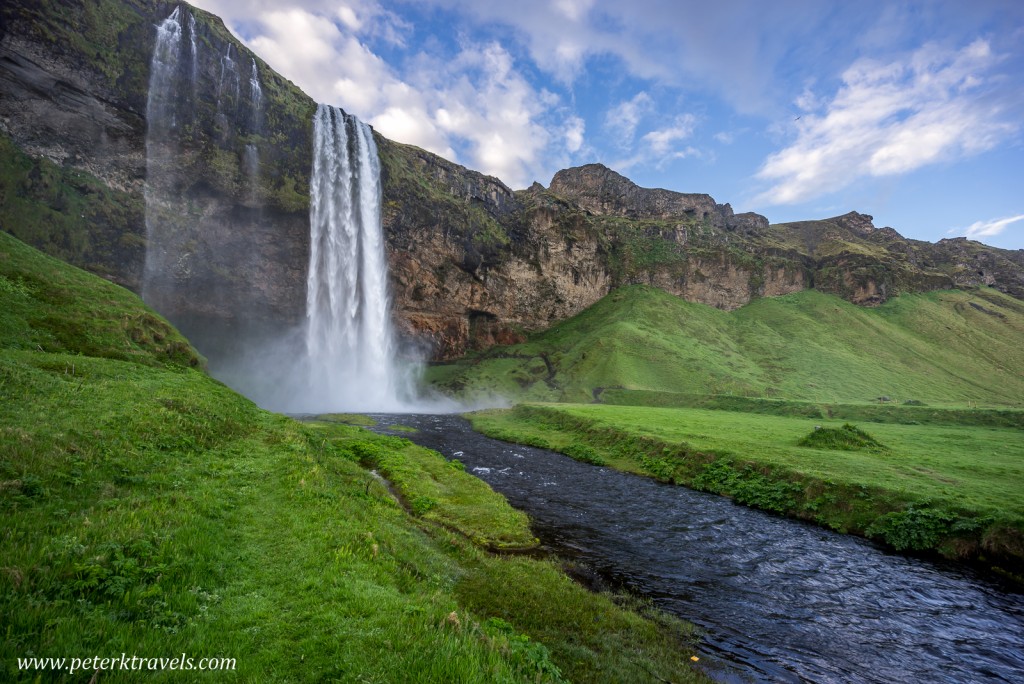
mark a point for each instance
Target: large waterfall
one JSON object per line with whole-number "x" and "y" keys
{"x": 350, "y": 346}
{"x": 201, "y": 247}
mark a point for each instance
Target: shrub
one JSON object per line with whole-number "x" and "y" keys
{"x": 421, "y": 504}
{"x": 845, "y": 438}
{"x": 916, "y": 529}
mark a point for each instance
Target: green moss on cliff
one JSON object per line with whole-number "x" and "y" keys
{"x": 71, "y": 215}
{"x": 108, "y": 37}
{"x": 416, "y": 199}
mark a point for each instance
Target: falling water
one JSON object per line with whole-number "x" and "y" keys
{"x": 251, "y": 156}
{"x": 195, "y": 52}
{"x": 344, "y": 356}
{"x": 350, "y": 347}
{"x": 255, "y": 95}
{"x": 163, "y": 75}
{"x": 229, "y": 79}
{"x": 162, "y": 112}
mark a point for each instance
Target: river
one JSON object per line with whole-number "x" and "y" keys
{"x": 778, "y": 600}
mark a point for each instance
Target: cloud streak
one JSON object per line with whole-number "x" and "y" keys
{"x": 890, "y": 118}
{"x": 983, "y": 229}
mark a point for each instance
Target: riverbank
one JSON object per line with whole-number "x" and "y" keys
{"x": 946, "y": 489}
{"x": 149, "y": 510}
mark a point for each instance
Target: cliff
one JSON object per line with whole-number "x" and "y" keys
{"x": 74, "y": 83}
{"x": 473, "y": 263}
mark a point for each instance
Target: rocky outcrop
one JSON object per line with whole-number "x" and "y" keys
{"x": 474, "y": 264}
{"x": 599, "y": 190}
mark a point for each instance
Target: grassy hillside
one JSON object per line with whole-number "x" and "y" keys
{"x": 149, "y": 510}
{"x": 942, "y": 348}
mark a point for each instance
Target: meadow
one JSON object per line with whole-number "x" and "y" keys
{"x": 947, "y": 348}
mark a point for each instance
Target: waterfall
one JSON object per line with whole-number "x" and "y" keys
{"x": 251, "y": 156}
{"x": 195, "y": 53}
{"x": 255, "y": 95}
{"x": 350, "y": 346}
{"x": 163, "y": 107}
{"x": 343, "y": 355}
{"x": 160, "y": 105}
{"x": 229, "y": 78}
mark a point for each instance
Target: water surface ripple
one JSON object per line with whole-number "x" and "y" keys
{"x": 778, "y": 600}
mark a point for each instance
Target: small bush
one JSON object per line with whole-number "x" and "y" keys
{"x": 422, "y": 504}
{"x": 369, "y": 453}
{"x": 32, "y": 487}
{"x": 845, "y": 438}
{"x": 914, "y": 529}
{"x": 747, "y": 486}
{"x": 661, "y": 468}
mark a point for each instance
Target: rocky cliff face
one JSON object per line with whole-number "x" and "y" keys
{"x": 472, "y": 262}
{"x": 476, "y": 264}
{"x": 597, "y": 189}
{"x": 74, "y": 82}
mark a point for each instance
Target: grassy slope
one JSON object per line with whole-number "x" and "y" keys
{"x": 148, "y": 509}
{"x": 954, "y": 488}
{"x": 944, "y": 348}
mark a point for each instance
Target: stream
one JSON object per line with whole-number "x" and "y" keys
{"x": 778, "y": 600}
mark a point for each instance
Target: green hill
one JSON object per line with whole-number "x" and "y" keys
{"x": 942, "y": 348}
{"x": 151, "y": 511}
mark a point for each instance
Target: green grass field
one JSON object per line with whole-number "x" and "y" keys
{"x": 947, "y": 348}
{"x": 953, "y": 488}
{"x": 150, "y": 510}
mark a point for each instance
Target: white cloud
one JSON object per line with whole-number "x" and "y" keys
{"x": 677, "y": 43}
{"x": 660, "y": 146}
{"x": 661, "y": 141}
{"x": 980, "y": 229}
{"x": 890, "y": 118}
{"x": 574, "y": 130}
{"x": 574, "y": 10}
{"x": 623, "y": 118}
{"x": 475, "y": 105}
{"x": 349, "y": 18}
{"x": 807, "y": 101}
{"x": 486, "y": 102}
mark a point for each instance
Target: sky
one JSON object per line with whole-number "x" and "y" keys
{"x": 911, "y": 112}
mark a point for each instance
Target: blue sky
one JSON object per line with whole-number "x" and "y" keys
{"x": 796, "y": 109}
